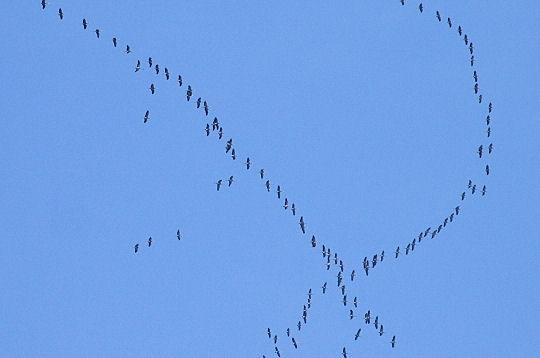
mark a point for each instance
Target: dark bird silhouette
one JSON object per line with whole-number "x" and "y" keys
{"x": 439, "y": 229}
{"x": 343, "y": 290}
{"x": 487, "y": 169}
{"x": 267, "y": 185}
{"x": 324, "y": 288}
{"x": 476, "y": 88}
{"x": 179, "y": 81}
{"x": 344, "y": 353}
{"x": 438, "y": 16}
{"x": 470, "y": 184}
{"x": 473, "y": 189}
{"x": 459, "y": 30}
{"x": 178, "y": 236}
{"x": 402, "y": 2}
{"x": 344, "y": 300}
{"x": 397, "y": 252}
{"x": 294, "y": 343}
{"x": 490, "y": 107}
{"x": 393, "y": 341}
{"x": 199, "y": 102}
{"x": 138, "y": 67}
{"x": 353, "y": 273}
{"x": 351, "y": 314}
{"x": 472, "y": 63}
{"x": 97, "y": 33}
{"x": 43, "y": 4}
{"x": 189, "y": 93}
{"x": 279, "y": 192}
{"x": 61, "y": 14}
{"x": 167, "y": 75}
{"x": 218, "y": 183}
{"x": 483, "y": 190}
{"x": 114, "y": 41}
{"x": 433, "y": 234}
{"x": 231, "y": 179}
{"x": 407, "y": 248}
{"x": 451, "y": 217}
{"x": 157, "y": 69}
{"x": 146, "y": 116}
{"x": 475, "y": 76}
{"x": 382, "y": 256}
{"x": 471, "y": 48}
{"x": 299, "y": 325}
{"x": 128, "y": 49}
{"x": 293, "y": 209}
{"x": 413, "y": 244}
{"x": 277, "y": 351}
{"x": 220, "y": 133}
{"x": 150, "y": 241}
{"x": 355, "y": 302}
{"x": 286, "y": 204}
{"x": 233, "y": 154}
{"x": 205, "y": 105}
{"x": 449, "y": 22}
{"x": 374, "y": 261}
{"x": 457, "y": 210}
{"x": 215, "y": 125}
{"x": 84, "y": 24}
{"x": 302, "y": 225}
{"x": 357, "y": 334}
{"x": 480, "y": 99}
{"x": 136, "y": 248}
{"x": 381, "y": 331}
{"x": 490, "y": 148}
{"x": 269, "y": 333}
{"x": 275, "y": 339}
{"x": 288, "y": 332}
{"x": 150, "y": 61}
{"x": 367, "y": 317}
{"x": 323, "y": 251}
{"x": 207, "y": 129}
{"x": 228, "y": 146}
{"x": 152, "y": 88}
{"x": 463, "y": 196}
{"x": 376, "y": 322}
{"x": 313, "y": 241}
{"x": 488, "y": 132}
{"x": 261, "y": 172}
{"x": 421, "y": 7}
{"x": 480, "y": 149}
{"x": 466, "y": 39}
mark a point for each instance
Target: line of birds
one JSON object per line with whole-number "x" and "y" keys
{"x": 215, "y": 126}
{"x": 150, "y": 241}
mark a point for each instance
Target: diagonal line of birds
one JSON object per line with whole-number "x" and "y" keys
{"x": 483, "y": 151}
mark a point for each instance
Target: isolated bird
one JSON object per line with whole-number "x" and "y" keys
{"x": 61, "y": 14}
{"x": 43, "y": 4}
{"x": 179, "y": 81}
{"x": 279, "y": 192}
{"x": 152, "y": 88}
{"x": 324, "y": 288}
{"x": 150, "y": 241}
{"x": 267, "y": 185}
{"x": 128, "y": 49}
{"x": 231, "y": 179}
{"x": 357, "y": 334}
{"x": 302, "y": 225}
{"x": 189, "y": 93}
{"x": 397, "y": 252}
{"x": 487, "y": 169}
{"x": 421, "y": 7}
{"x": 167, "y": 76}
{"x": 344, "y": 353}
{"x": 97, "y": 33}
{"x": 114, "y": 41}
{"x": 136, "y": 248}
{"x": 146, "y": 116}
{"x": 393, "y": 341}
{"x": 178, "y": 234}
{"x": 84, "y": 24}
{"x": 218, "y": 183}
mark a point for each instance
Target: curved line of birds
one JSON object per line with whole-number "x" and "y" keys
{"x": 215, "y": 126}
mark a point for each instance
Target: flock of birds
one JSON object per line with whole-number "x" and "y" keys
{"x": 330, "y": 257}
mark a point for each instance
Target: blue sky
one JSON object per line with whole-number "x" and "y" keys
{"x": 363, "y": 112}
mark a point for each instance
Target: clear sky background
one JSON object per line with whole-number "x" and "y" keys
{"x": 363, "y": 111}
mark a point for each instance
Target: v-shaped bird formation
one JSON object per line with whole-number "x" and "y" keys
{"x": 330, "y": 258}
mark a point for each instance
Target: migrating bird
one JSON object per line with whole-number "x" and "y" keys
{"x": 472, "y": 64}
{"x": 487, "y": 169}
{"x": 402, "y": 2}
{"x": 489, "y": 132}
{"x": 490, "y": 148}
{"x": 275, "y": 339}
{"x": 220, "y": 133}
{"x": 393, "y": 341}
{"x": 353, "y": 273}
{"x": 128, "y": 49}
{"x": 351, "y": 314}
{"x": 459, "y": 30}
{"x": 324, "y": 288}
{"x": 152, "y": 88}
{"x": 483, "y": 190}
{"x": 293, "y": 209}
{"x": 357, "y": 334}
{"x": 382, "y": 255}
{"x": 199, "y": 102}
{"x": 279, "y": 192}
{"x": 344, "y": 353}
{"x": 205, "y": 105}
{"x": 138, "y": 67}
{"x": 248, "y": 163}
{"x": 179, "y": 81}
{"x": 421, "y": 7}
{"x": 302, "y": 225}
{"x": 268, "y": 185}
{"x": 178, "y": 234}
{"x": 457, "y": 210}
{"x": 449, "y": 22}
{"x": 261, "y": 172}
{"x": 215, "y": 124}
{"x": 218, "y": 183}
{"x": 407, "y": 248}
{"x": 277, "y": 352}
{"x": 438, "y": 16}
{"x": 288, "y": 332}
{"x": 313, "y": 242}
{"x": 43, "y": 4}
{"x": 381, "y": 331}
{"x": 84, "y": 24}
{"x": 189, "y": 92}
{"x": 475, "y": 76}
{"x": 376, "y": 322}
{"x": 167, "y": 75}
{"x": 466, "y": 39}
{"x": 355, "y": 302}
{"x": 97, "y": 33}
{"x": 149, "y": 61}
{"x": 146, "y": 116}
{"x": 397, "y": 252}
{"x": 231, "y": 179}
{"x": 136, "y": 248}
{"x": 480, "y": 149}
{"x": 150, "y": 241}
{"x": 299, "y": 325}
{"x": 114, "y": 41}
{"x": 476, "y": 88}
{"x": 61, "y": 14}
{"x": 471, "y": 48}
{"x": 294, "y": 343}
{"x": 228, "y": 146}
{"x": 490, "y": 107}
{"x": 207, "y": 129}
{"x": 462, "y": 196}
{"x": 233, "y": 154}
{"x": 269, "y": 333}
{"x": 157, "y": 69}
{"x": 344, "y": 300}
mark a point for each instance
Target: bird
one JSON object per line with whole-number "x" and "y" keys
{"x": 490, "y": 107}
{"x": 97, "y": 33}
{"x": 261, "y": 172}
{"x": 205, "y": 105}
{"x": 293, "y": 209}
{"x": 299, "y": 325}
{"x": 355, "y": 302}
{"x": 302, "y": 225}
{"x": 490, "y": 148}
{"x": 466, "y": 39}
{"x": 146, "y": 116}
{"x": 344, "y": 300}
{"x": 382, "y": 255}
{"x": 286, "y": 204}
{"x": 138, "y": 67}
{"x": 402, "y": 2}
{"x": 43, "y": 4}
{"x": 275, "y": 339}
{"x": 231, "y": 179}
{"x": 353, "y": 273}
{"x": 488, "y": 132}
{"x": 128, "y": 49}
{"x": 413, "y": 244}
{"x": 136, "y": 248}
{"x": 357, "y": 334}
{"x": 381, "y": 331}
{"x": 407, "y": 248}
{"x": 199, "y": 102}
{"x": 471, "y": 48}
{"x": 473, "y": 189}
{"x": 150, "y": 241}
{"x": 167, "y": 75}
{"x": 376, "y": 322}
{"x": 269, "y": 333}
{"x": 472, "y": 64}
{"x": 438, "y": 16}
{"x": 233, "y": 154}
{"x": 228, "y": 146}
{"x": 267, "y": 185}
{"x": 449, "y": 22}
{"x": 393, "y": 341}
{"x": 218, "y": 183}
{"x": 313, "y": 242}
{"x": 397, "y": 252}
{"x": 157, "y": 69}
{"x": 470, "y": 184}
{"x": 439, "y": 228}
{"x": 279, "y": 192}
{"x": 178, "y": 234}
{"x": 475, "y": 76}
{"x": 150, "y": 61}
{"x": 487, "y": 169}
{"x": 480, "y": 148}
{"x": 367, "y": 317}
{"x": 152, "y": 88}
{"x": 179, "y": 81}
{"x": 463, "y": 196}
{"x": 324, "y": 288}
{"x": 374, "y": 260}
{"x": 84, "y": 24}
{"x": 457, "y": 210}
{"x": 61, "y": 14}
{"x": 114, "y": 41}
{"x": 344, "y": 353}
{"x": 421, "y": 7}
{"x": 288, "y": 332}
{"x": 207, "y": 129}
{"x": 294, "y": 343}
{"x": 476, "y": 88}
{"x": 351, "y": 314}
{"x": 451, "y": 217}
{"x": 215, "y": 125}
{"x": 459, "y": 30}
{"x": 189, "y": 93}
{"x": 323, "y": 251}
{"x": 277, "y": 352}
{"x": 220, "y": 133}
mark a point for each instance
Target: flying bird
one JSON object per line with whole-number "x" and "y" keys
{"x": 407, "y": 248}
{"x": 150, "y": 61}
{"x": 457, "y": 210}
{"x": 286, "y": 204}
{"x": 393, "y": 341}
{"x": 472, "y": 64}
{"x": 490, "y": 148}
{"x": 233, "y": 154}
{"x": 178, "y": 234}
{"x": 471, "y": 48}
{"x": 215, "y": 124}
{"x": 293, "y": 209}
{"x": 231, "y": 179}
{"x": 381, "y": 331}
{"x": 449, "y": 22}
{"x": 460, "y": 31}
{"x": 466, "y": 39}
{"x": 476, "y": 88}
{"x": 269, "y": 333}
{"x": 261, "y": 172}
{"x": 199, "y": 102}
{"x": 397, "y": 252}
{"x": 189, "y": 93}
{"x": 294, "y": 343}
{"x": 487, "y": 169}
{"x": 43, "y": 4}
{"x": 138, "y": 67}
{"x": 228, "y": 146}
{"x": 475, "y": 76}
{"x": 150, "y": 241}
{"x": 279, "y": 192}
{"x": 357, "y": 334}
{"x": 114, "y": 41}
{"x": 220, "y": 133}
{"x": 351, "y": 314}
{"x": 136, "y": 248}
{"x": 299, "y": 325}
{"x": 402, "y": 2}
{"x": 463, "y": 196}
{"x": 288, "y": 332}
{"x": 313, "y": 242}
{"x": 152, "y": 88}
{"x": 207, "y": 129}
{"x": 473, "y": 189}
{"x": 489, "y": 132}
{"x": 157, "y": 69}
{"x": 480, "y": 148}
{"x": 277, "y": 352}
{"x": 146, "y": 116}
{"x": 355, "y": 302}
{"x": 268, "y": 185}
{"x": 128, "y": 49}
{"x": 344, "y": 353}
{"x": 490, "y": 107}
{"x": 382, "y": 255}
{"x": 344, "y": 300}
{"x": 353, "y": 273}
{"x": 421, "y": 7}
{"x": 61, "y": 14}
{"x": 367, "y": 317}
{"x": 218, "y": 183}
{"x": 376, "y": 322}
{"x": 205, "y": 105}
{"x": 324, "y": 288}
{"x": 167, "y": 75}
{"x": 97, "y": 33}
{"x": 438, "y": 16}
{"x": 179, "y": 81}
{"x": 302, "y": 225}
{"x": 84, "y": 24}
{"x": 275, "y": 339}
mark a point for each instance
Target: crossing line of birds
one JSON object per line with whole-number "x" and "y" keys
{"x": 230, "y": 149}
